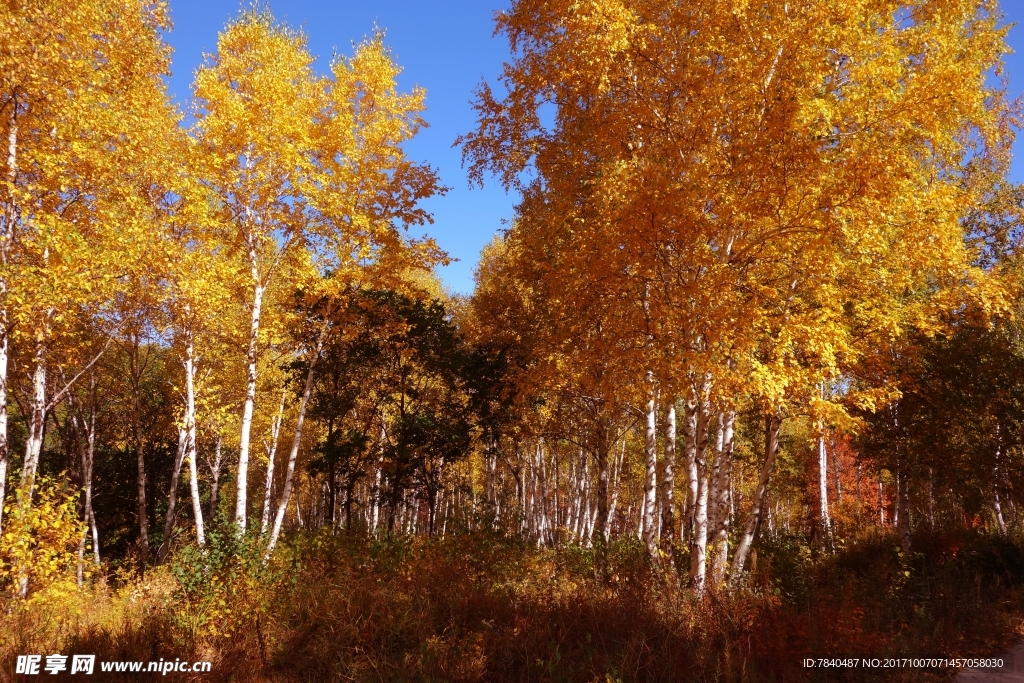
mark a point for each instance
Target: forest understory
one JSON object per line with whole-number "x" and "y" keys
{"x": 478, "y": 606}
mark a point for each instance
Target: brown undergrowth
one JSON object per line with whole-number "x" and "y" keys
{"x": 480, "y": 607}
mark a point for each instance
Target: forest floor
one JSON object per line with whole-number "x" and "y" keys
{"x": 477, "y": 607}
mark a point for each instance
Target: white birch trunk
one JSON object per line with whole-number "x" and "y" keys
{"x": 616, "y": 485}
{"x": 90, "y": 453}
{"x": 275, "y": 431}
{"x": 241, "y": 501}
{"x": 648, "y": 522}
{"x": 699, "y": 540}
{"x": 378, "y": 480}
{"x": 4, "y": 446}
{"x": 172, "y": 497}
{"x": 714, "y": 488}
{"x": 6, "y": 235}
{"x": 190, "y": 439}
{"x": 642, "y": 515}
{"x": 86, "y": 454}
{"x": 723, "y": 503}
{"x": 903, "y": 506}
{"x": 881, "y": 504}
{"x": 668, "y": 517}
{"x": 296, "y": 442}
{"x": 215, "y": 474}
{"x": 835, "y": 470}
{"x": 997, "y": 503}
{"x": 771, "y": 451}
{"x": 823, "y": 515}
{"x": 37, "y": 423}
{"x": 690, "y": 444}
{"x": 140, "y": 456}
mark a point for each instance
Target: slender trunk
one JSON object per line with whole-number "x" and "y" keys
{"x": 241, "y": 502}
{"x": 616, "y": 485}
{"x": 823, "y": 516}
{"x": 690, "y": 444}
{"x": 543, "y": 491}
{"x": 140, "y": 459}
{"x": 90, "y": 453}
{"x": 699, "y": 540}
{"x": 489, "y": 465}
{"x": 903, "y": 505}
{"x": 648, "y": 522}
{"x": 332, "y": 485}
{"x": 835, "y": 470}
{"x": 275, "y": 431}
{"x": 601, "y": 508}
{"x": 771, "y": 451}
{"x": 6, "y": 234}
{"x": 296, "y": 441}
{"x": 931, "y": 499}
{"x": 723, "y": 504}
{"x": 37, "y": 423}
{"x": 996, "y": 501}
{"x": 172, "y": 498}
{"x": 86, "y": 454}
{"x": 190, "y": 439}
{"x": 556, "y": 519}
{"x": 881, "y": 504}
{"x": 641, "y": 516}
{"x": 4, "y": 447}
{"x": 375, "y": 521}
{"x": 581, "y": 480}
{"x": 668, "y": 519}
{"x": 215, "y": 474}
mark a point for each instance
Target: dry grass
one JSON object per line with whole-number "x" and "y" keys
{"x": 477, "y": 607}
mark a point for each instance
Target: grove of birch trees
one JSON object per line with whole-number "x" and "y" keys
{"x": 761, "y": 281}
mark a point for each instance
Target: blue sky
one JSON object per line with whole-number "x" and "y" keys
{"x": 445, "y": 46}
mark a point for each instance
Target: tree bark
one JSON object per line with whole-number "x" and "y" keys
{"x": 36, "y": 424}
{"x": 215, "y": 475}
{"x": 823, "y": 515}
{"x": 903, "y": 505}
{"x": 997, "y": 503}
{"x": 172, "y": 498}
{"x": 648, "y": 522}
{"x": 6, "y": 235}
{"x": 616, "y": 485}
{"x": 668, "y": 518}
{"x": 190, "y": 439}
{"x": 699, "y": 539}
{"x": 86, "y": 454}
{"x": 771, "y": 451}
{"x": 601, "y": 458}
{"x": 690, "y": 445}
{"x": 241, "y": 501}
{"x": 881, "y": 504}
{"x": 723, "y": 498}
{"x": 296, "y": 442}
{"x": 835, "y": 470}
{"x": 135, "y": 372}
{"x": 275, "y": 431}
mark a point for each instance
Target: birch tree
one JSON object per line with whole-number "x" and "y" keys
{"x": 80, "y": 114}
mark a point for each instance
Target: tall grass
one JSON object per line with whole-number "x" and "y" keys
{"x": 483, "y": 607}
